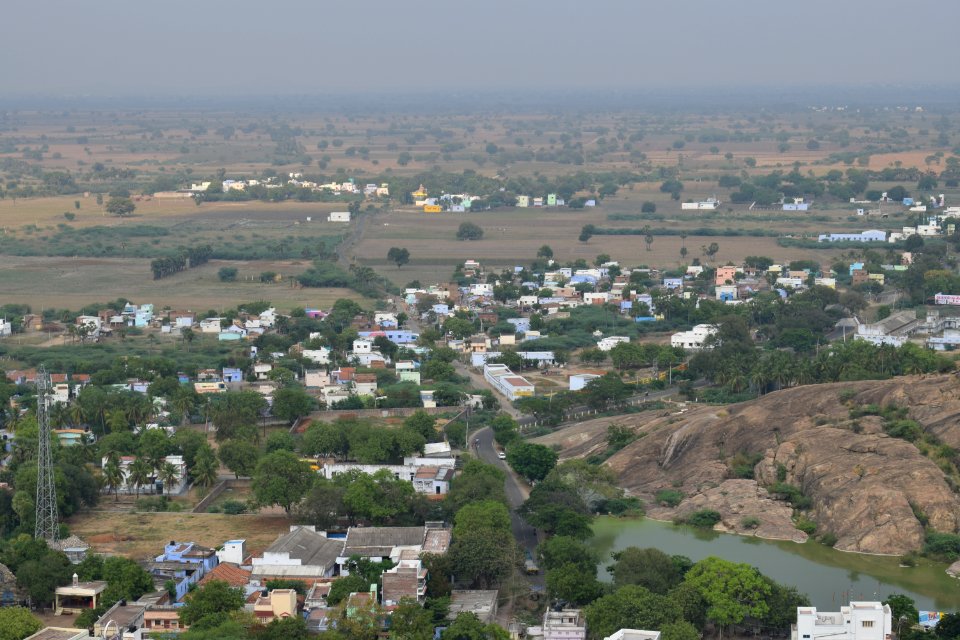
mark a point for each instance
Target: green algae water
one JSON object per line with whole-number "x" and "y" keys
{"x": 827, "y": 576}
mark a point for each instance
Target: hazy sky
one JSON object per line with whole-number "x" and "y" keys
{"x": 245, "y": 47}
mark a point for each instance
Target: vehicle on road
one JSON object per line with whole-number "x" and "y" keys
{"x": 502, "y": 455}
{"x": 530, "y": 566}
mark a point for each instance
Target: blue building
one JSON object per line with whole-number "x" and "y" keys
{"x": 232, "y": 374}
{"x": 184, "y": 563}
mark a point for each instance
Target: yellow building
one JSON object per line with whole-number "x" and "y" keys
{"x": 419, "y": 193}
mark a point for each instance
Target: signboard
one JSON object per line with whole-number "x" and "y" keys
{"x": 942, "y": 298}
{"x": 929, "y": 619}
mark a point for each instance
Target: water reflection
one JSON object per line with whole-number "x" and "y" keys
{"x": 830, "y": 577}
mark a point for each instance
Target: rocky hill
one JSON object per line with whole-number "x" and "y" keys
{"x": 868, "y": 489}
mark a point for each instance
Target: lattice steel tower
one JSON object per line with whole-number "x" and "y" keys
{"x": 48, "y": 528}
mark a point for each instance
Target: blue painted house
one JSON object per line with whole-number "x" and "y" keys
{"x": 184, "y": 563}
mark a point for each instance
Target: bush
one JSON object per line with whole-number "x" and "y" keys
{"x": 791, "y": 494}
{"x": 942, "y": 546}
{"x": 806, "y": 525}
{"x": 828, "y": 539}
{"x": 234, "y": 507}
{"x": 669, "y": 497}
{"x": 227, "y": 274}
{"x": 750, "y": 522}
{"x": 703, "y": 519}
{"x": 621, "y": 506}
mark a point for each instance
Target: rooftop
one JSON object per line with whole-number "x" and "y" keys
{"x": 229, "y": 573}
{"x": 309, "y": 547}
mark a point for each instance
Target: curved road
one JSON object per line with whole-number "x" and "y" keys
{"x": 517, "y": 491}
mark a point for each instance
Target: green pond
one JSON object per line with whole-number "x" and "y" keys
{"x": 829, "y": 577}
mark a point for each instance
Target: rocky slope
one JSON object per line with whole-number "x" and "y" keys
{"x": 866, "y": 488}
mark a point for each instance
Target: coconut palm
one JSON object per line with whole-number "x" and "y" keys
{"x": 113, "y": 474}
{"x": 205, "y": 468}
{"x": 77, "y": 414}
{"x": 168, "y": 474}
{"x": 140, "y": 473}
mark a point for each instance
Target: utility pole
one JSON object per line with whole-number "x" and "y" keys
{"x": 47, "y": 525}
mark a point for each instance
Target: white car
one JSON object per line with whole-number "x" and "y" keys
{"x": 502, "y": 455}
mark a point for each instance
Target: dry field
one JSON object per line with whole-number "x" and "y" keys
{"x": 142, "y": 535}
{"x": 75, "y": 282}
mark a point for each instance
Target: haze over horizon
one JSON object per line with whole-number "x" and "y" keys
{"x": 216, "y": 48}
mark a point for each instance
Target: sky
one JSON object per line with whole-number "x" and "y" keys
{"x": 305, "y": 47}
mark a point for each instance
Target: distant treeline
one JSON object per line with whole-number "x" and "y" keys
{"x": 696, "y": 231}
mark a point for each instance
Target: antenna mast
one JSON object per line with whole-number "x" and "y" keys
{"x": 47, "y": 527}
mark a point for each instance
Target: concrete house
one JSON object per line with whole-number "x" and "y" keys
{"x": 302, "y": 554}
{"x": 211, "y": 325}
{"x": 695, "y": 339}
{"x": 857, "y": 621}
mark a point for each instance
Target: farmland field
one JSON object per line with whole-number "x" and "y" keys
{"x": 76, "y": 282}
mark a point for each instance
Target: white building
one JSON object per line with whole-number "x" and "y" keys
{"x": 317, "y": 356}
{"x": 211, "y": 325}
{"x": 339, "y": 216}
{"x": 579, "y": 381}
{"x": 634, "y": 634}
{"x": 567, "y": 624}
{"x": 694, "y": 339}
{"x": 608, "y": 343}
{"x": 710, "y": 204}
{"x": 858, "y": 621}
{"x": 6, "y": 327}
{"x": 507, "y": 382}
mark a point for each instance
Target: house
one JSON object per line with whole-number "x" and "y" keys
{"x": 159, "y": 620}
{"x": 365, "y": 384}
{"x": 300, "y": 554}
{"x": 566, "y": 624}
{"x": 204, "y": 388}
{"x": 232, "y": 374}
{"x": 315, "y": 378}
{"x": 229, "y": 572}
{"x": 694, "y": 339}
{"x": 362, "y": 345}
{"x": 185, "y": 563}
{"x": 482, "y": 604}
{"x": 339, "y": 216}
{"x": 673, "y": 283}
{"x": 6, "y": 327}
{"x": 892, "y": 330}
{"x": 579, "y": 381}
{"x": 710, "y": 204}
{"x": 856, "y": 621}
{"x": 523, "y": 201}
{"x": 431, "y": 477}
{"x": 60, "y": 633}
{"x": 10, "y": 593}
{"x": 77, "y": 596}
{"x": 634, "y": 634}
{"x": 279, "y": 604}
{"x": 725, "y": 274}
{"x": 407, "y": 579}
{"x": 379, "y": 543}
{"x": 506, "y": 382}
{"x": 608, "y": 343}
{"x": 873, "y": 235}
{"x": 317, "y": 356}
{"x": 211, "y": 325}
{"x": 127, "y": 618}
{"x": 727, "y": 292}
{"x": 154, "y": 484}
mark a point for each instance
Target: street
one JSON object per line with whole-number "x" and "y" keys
{"x": 525, "y": 535}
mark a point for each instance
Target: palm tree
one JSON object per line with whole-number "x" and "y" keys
{"x": 77, "y": 414}
{"x": 117, "y": 420}
{"x": 113, "y": 474}
{"x": 139, "y": 474}
{"x": 205, "y": 469}
{"x": 168, "y": 474}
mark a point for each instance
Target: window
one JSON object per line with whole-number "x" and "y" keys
{"x": 867, "y": 624}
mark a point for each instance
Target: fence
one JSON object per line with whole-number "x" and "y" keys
{"x": 217, "y": 490}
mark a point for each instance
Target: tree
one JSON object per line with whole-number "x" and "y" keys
{"x": 648, "y": 207}
{"x": 568, "y": 582}
{"x": 293, "y": 628}
{"x": 467, "y": 626}
{"x": 205, "y": 468}
{"x": 469, "y": 231}
{"x": 484, "y": 557}
{"x": 324, "y": 439}
{"x": 113, "y": 475}
{"x": 487, "y": 514}
{"x": 902, "y": 606}
{"x": 291, "y": 403}
{"x": 343, "y": 587}
{"x": 120, "y": 206}
{"x": 680, "y": 630}
{"x": 563, "y": 550}
{"x": 399, "y": 256}
{"x": 240, "y": 456}
{"x": 649, "y": 568}
{"x": 410, "y": 621}
{"x": 235, "y": 413}
{"x": 139, "y": 474}
{"x": 586, "y": 232}
{"x": 630, "y": 607}
{"x": 532, "y": 461}
{"x": 605, "y": 391}
{"x": 732, "y": 591}
{"x": 209, "y": 605}
{"x": 227, "y": 274}
{"x": 545, "y": 252}
{"x": 168, "y": 474}
{"x": 281, "y": 478}
{"x": 476, "y": 481}
{"x": 17, "y": 623}
{"x": 322, "y": 505}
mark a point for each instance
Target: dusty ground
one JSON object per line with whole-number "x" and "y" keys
{"x": 142, "y": 535}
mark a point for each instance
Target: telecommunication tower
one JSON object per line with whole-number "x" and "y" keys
{"x": 47, "y": 528}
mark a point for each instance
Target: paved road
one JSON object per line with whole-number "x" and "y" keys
{"x": 525, "y": 535}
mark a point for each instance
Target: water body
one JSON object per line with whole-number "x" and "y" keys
{"x": 827, "y": 576}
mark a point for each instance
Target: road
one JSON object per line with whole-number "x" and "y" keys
{"x": 517, "y": 492}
